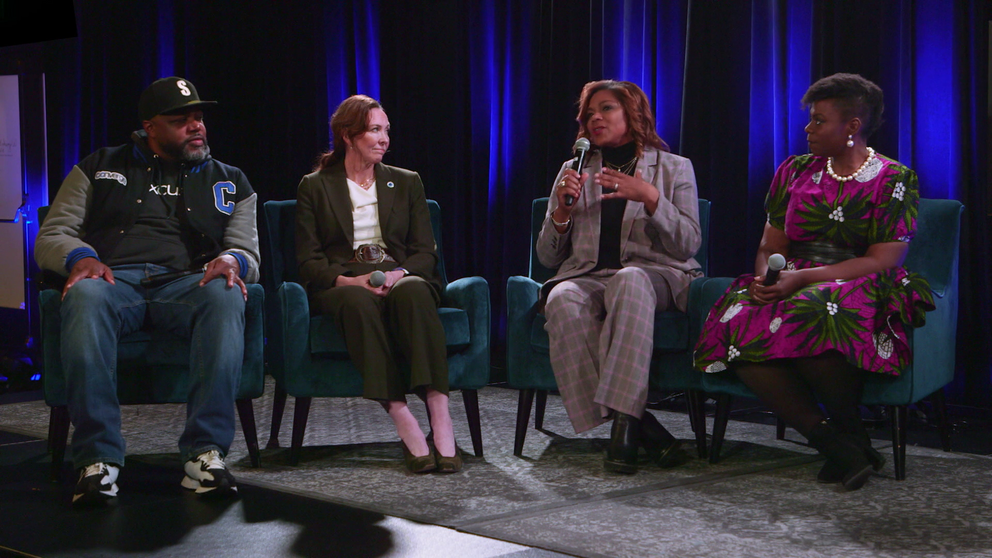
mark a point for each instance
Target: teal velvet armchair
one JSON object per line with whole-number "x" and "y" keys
{"x": 528, "y": 364}
{"x": 152, "y": 367}
{"x": 933, "y": 253}
{"x": 307, "y": 354}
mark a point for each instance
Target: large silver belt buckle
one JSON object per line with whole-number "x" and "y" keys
{"x": 370, "y": 253}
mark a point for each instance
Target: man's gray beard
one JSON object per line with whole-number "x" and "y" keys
{"x": 195, "y": 155}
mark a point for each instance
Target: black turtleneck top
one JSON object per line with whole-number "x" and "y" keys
{"x": 611, "y": 217}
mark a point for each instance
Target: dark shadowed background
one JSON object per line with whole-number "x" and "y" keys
{"x": 481, "y": 97}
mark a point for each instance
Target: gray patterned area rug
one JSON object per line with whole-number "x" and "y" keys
{"x": 760, "y": 500}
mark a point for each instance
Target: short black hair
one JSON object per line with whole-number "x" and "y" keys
{"x": 854, "y": 95}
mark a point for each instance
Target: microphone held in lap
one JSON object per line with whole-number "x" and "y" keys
{"x": 377, "y": 278}
{"x": 776, "y": 263}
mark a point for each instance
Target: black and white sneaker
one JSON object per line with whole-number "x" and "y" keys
{"x": 207, "y": 474}
{"x": 97, "y": 485}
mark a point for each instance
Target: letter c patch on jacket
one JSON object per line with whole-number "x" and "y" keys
{"x": 221, "y": 202}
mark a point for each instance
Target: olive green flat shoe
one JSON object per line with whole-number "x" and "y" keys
{"x": 418, "y": 464}
{"x": 449, "y": 464}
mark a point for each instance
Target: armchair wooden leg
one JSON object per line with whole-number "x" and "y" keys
{"x": 300, "y": 415}
{"x": 247, "y": 413}
{"x": 690, "y": 408}
{"x": 940, "y": 407}
{"x": 58, "y": 431}
{"x": 51, "y": 429}
{"x": 523, "y": 417}
{"x": 779, "y": 428}
{"x": 899, "y": 416}
{"x": 696, "y": 402}
{"x": 720, "y": 420}
{"x": 542, "y": 403}
{"x": 471, "y": 399}
{"x": 278, "y": 408}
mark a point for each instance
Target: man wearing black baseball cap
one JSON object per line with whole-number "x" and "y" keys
{"x": 169, "y": 95}
{"x": 166, "y": 101}
{"x": 154, "y": 232}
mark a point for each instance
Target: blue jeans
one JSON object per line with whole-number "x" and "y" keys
{"x": 95, "y": 314}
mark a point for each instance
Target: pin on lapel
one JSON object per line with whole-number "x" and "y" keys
{"x": 390, "y": 184}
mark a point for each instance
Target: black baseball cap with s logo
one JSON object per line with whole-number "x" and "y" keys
{"x": 166, "y": 95}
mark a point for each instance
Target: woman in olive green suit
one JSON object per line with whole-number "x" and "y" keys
{"x": 367, "y": 257}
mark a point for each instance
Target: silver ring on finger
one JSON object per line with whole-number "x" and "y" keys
{"x": 616, "y": 186}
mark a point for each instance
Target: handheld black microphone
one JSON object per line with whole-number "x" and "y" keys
{"x": 580, "y": 149}
{"x": 162, "y": 278}
{"x": 776, "y": 263}
{"x": 377, "y": 278}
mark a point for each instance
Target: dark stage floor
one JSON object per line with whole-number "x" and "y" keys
{"x": 154, "y": 517}
{"x": 971, "y": 427}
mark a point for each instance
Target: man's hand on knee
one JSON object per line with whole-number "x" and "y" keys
{"x": 226, "y": 267}
{"x": 88, "y": 268}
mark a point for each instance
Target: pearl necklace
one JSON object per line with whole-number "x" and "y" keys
{"x": 843, "y": 179}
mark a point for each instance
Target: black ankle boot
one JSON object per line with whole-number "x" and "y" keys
{"x": 661, "y": 446}
{"x": 844, "y": 452}
{"x": 625, "y": 437}
{"x": 831, "y": 472}
{"x": 856, "y": 427}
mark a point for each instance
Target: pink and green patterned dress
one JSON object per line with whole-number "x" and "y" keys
{"x": 865, "y": 318}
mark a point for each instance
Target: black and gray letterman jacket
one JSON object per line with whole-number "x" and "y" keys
{"x": 99, "y": 200}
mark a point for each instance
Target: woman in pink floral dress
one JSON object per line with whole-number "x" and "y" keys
{"x": 843, "y": 216}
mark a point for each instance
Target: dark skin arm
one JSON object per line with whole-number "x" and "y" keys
{"x": 570, "y": 185}
{"x": 88, "y": 268}
{"x": 623, "y": 186}
{"x": 879, "y": 257}
{"x": 773, "y": 241}
{"x": 633, "y": 188}
{"x": 225, "y": 267}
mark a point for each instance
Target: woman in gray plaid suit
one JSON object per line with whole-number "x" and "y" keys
{"x": 622, "y": 235}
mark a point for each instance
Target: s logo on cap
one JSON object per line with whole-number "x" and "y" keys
{"x": 182, "y": 88}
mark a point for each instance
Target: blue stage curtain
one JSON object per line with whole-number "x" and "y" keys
{"x": 779, "y": 75}
{"x": 503, "y": 143}
{"x": 527, "y": 64}
{"x": 482, "y": 100}
{"x": 754, "y": 60}
{"x": 351, "y": 49}
{"x": 935, "y": 78}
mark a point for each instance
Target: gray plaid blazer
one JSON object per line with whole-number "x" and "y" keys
{"x": 663, "y": 243}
